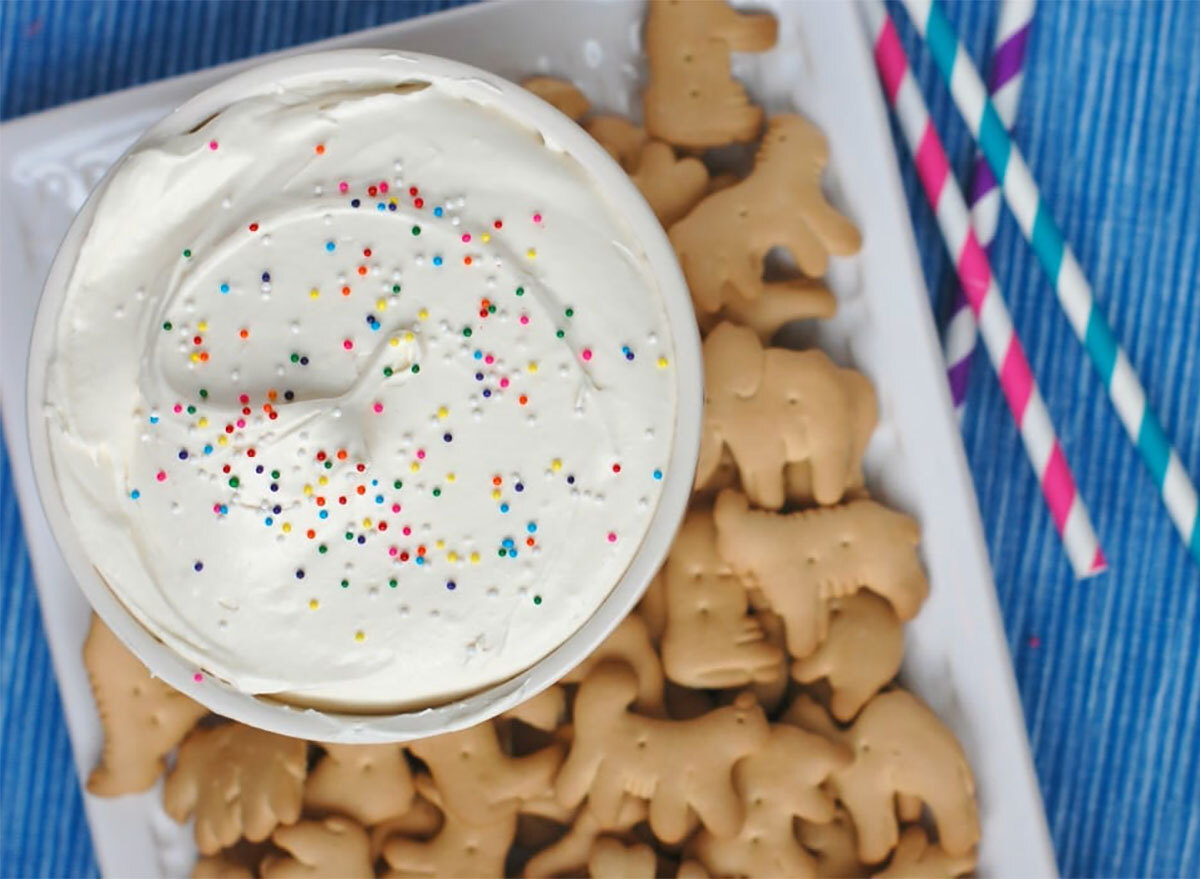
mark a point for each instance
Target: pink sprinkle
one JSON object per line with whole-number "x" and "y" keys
{"x": 178, "y": 409}
{"x": 466, "y": 237}
{"x": 395, "y": 508}
{"x": 347, "y": 344}
{"x": 378, "y": 407}
{"x": 407, "y": 531}
{"x": 612, "y": 537}
{"x": 217, "y": 509}
{"x": 489, "y": 359}
{"x": 586, "y": 354}
{"x": 421, "y": 454}
{"x": 343, "y": 186}
{"x": 212, "y": 144}
{"x": 537, "y": 218}
{"x": 383, "y": 187}
{"x": 198, "y": 678}
{"x": 392, "y": 551}
{"x": 504, "y": 383}
{"x": 524, "y": 319}
{"x": 244, "y": 398}
{"x": 241, "y": 422}
{"x": 161, "y": 476}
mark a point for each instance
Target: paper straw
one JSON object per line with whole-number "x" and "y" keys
{"x": 1074, "y": 293}
{"x": 1004, "y": 84}
{"x": 983, "y": 294}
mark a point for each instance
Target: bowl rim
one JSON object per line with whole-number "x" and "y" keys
{"x": 337, "y": 725}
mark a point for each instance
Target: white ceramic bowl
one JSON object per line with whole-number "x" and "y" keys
{"x": 331, "y": 726}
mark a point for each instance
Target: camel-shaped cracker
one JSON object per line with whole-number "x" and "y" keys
{"x": 239, "y": 781}
{"x": 612, "y": 859}
{"x": 900, "y": 747}
{"x": 370, "y": 783}
{"x": 860, "y": 654}
{"x": 772, "y": 406}
{"x": 711, "y": 639}
{"x": 723, "y": 242}
{"x": 477, "y": 782}
{"x": 569, "y": 855}
{"x": 336, "y": 846}
{"x": 692, "y": 99}
{"x": 917, "y": 858}
{"x": 460, "y": 849}
{"x": 630, "y": 643}
{"x": 801, "y": 561}
{"x": 777, "y": 783}
{"x": 679, "y": 766}
{"x": 143, "y": 718}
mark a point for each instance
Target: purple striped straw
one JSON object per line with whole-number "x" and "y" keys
{"x": 1004, "y": 84}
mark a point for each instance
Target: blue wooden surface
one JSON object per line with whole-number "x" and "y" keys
{"x": 1108, "y": 669}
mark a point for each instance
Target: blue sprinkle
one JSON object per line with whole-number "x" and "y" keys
{"x": 183, "y": 454}
{"x": 258, "y": 469}
{"x": 381, "y": 207}
{"x": 437, "y": 212}
{"x": 374, "y": 482}
{"x": 354, "y": 202}
{"x": 531, "y": 527}
{"x": 198, "y": 567}
{"x": 512, "y": 553}
{"x": 207, "y": 449}
{"x": 450, "y": 584}
{"x": 277, "y": 509}
{"x": 300, "y": 573}
{"x": 362, "y": 539}
{"x": 391, "y": 207}
{"x": 570, "y": 480}
{"x": 479, "y": 376}
{"x": 437, "y": 260}
{"x": 507, "y": 543}
{"x": 486, "y": 392}
{"x": 224, "y": 510}
{"x": 504, "y": 508}
{"x": 154, "y": 419}
{"x": 224, "y": 288}
{"x": 266, "y": 276}
{"x": 478, "y": 354}
{"x": 447, "y": 437}
{"x": 520, "y": 486}
{"x": 329, "y": 245}
{"x": 274, "y": 486}
{"x": 268, "y": 521}
{"x": 135, "y": 494}
{"x": 324, "y": 514}
{"x": 378, "y": 498}
{"x": 658, "y": 474}
{"x": 420, "y": 560}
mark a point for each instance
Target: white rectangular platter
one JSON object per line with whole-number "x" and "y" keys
{"x": 957, "y": 658}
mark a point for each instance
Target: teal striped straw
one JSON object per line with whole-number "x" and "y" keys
{"x": 1074, "y": 293}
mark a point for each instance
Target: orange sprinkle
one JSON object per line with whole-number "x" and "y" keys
{"x": 466, "y": 260}
{"x": 361, "y": 489}
{"x": 362, "y": 270}
{"x": 522, "y": 399}
{"x": 272, "y": 394}
{"x": 311, "y": 534}
{"x": 245, "y": 334}
{"x": 320, "y": 149}
{"x": 204, "y": 356}
{"x": 341, "y": 454}
{"x": 345, "y": 291}
{"x": 496, "y": 480}
{"x": 320, "y": 502}
{"x": 529, "y": 541}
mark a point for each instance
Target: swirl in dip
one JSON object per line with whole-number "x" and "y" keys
{"x": 360, "y": 395}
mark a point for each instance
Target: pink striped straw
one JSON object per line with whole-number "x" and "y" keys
{"x": 984, "y": 297}
{"x": 1004, "y": 85}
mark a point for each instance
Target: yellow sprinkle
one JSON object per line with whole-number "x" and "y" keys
{"x": 452, "y": 556}
{"x": 195, "y": 357}
{"x": 443, "y": 412}
{"x": 532, "y": 366}
{"x": 360, "y": 636}
{"x": 366, "y": 523}
{"x": 662, "y": 363}
{"x": 323, "y": 480}
{"x": 441, "y": 544}
{"x": 485, "y": 237}
{"x": 308, "y": 490}
{"x": 495, "y": 494}
{"x": 314, "y": 293}
{"x": 414, "y": 466}
{"x": 287, "y": 527}
{"x": 221, "y": 440}
{"x": 531, "y": 253}
{"x": 449, "y": 477}
{"x": 202, "y": 326}
{"x": 203, "y": 422}
{"x": 423, "y": 313}
{"x": 393, "y": 341}
{"x": 556, "y": 465}
{"x": 408, "y": 336}
{"x": 474, "y": 558}
{"x": 381, "y": 304}
{"x": 313, "y": 604}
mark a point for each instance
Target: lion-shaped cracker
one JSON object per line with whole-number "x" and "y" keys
{"x": 672, "y": 186}
{"x": 630, "y": 643}
{"x": 479, "y": 783}
{"x": 861, "y": 652}
{"x": 692, "y": 99}
{"x": 772, "y": 406}
{"x": 916, "y": 858}
{"x": 569, "y": 855}
{"x": 560, "y": 94}
{"x": 801, "y": 561}
{"x": 143, "y": 718}
{"x": 711, "y": 639}
{"x": 623, "y": 140}
{"x": 612, "y": 859}
{"x": 460, "y": 849}
{"x": 679, "y": 766}
{"x": 238, "y": 781}
{"x": 370, "y": 783}
{"x": 900, "y": 746}
{"x": 335, "y": 846}
{"x": 723, "y": 243}
{"x": 777, "y": 783}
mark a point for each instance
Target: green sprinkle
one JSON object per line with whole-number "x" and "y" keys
{"x": 395, "y": 288}
{"x": 416, "y": 367}
{"x": 191, "y": 410}
{"x": 328, "y": 465}
{"x": 274, "y": 474}
{"x": 187, "y": 253}
{"x": 387, "y": 371}
{"x": 520, "y": 291}
{"x": 437, "y": 492}
{"x": 416, "y": 230}
{"x": 570, "y": 312}
{"x": 166, "y": 325}
{"x": 234, "y": 482}
{"x": 537, "y": 599}
{"x": 203, "y": 393}
{"x": 491, "y": 309}
{"x": 397, "y": 484}
{"x": 467, "y": 332}
{"x": 502, "y": 553}
{"x": 559, "y": 334}
{"x": 349, "y": 536}
{"x": 345, "y": 584}
{"x": 322, "y": 549}
{"x": 392, "y": 583}
{"x": 295, "y": 357}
